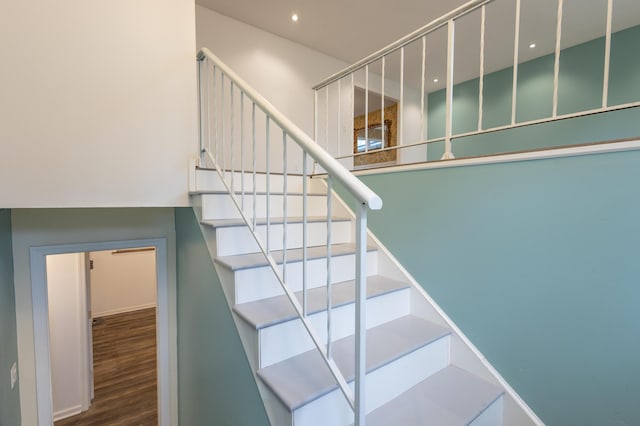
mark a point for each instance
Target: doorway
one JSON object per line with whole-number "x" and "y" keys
{"x": 41, "y": 321}
{"x": 102, "y": 319}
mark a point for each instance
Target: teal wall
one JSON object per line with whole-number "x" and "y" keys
{"x": 580, "y": 88}
{"x": 216, "y": 386}
{"x": 537, "y": 262}
{"x": 9, "y": 398}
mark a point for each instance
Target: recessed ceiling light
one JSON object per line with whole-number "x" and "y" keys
{"x": 435, "y": 80}
{"x": 294, "y": 17}
{"x": 532, "y": 45}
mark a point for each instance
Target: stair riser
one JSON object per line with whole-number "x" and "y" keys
{"x": 383, "y": 385}
{"x": 208, "y": 180}
{"x": 259, "y": 283}
{"x": 492, "y": 416}
{"x": 290, "y": 338}
{"x": 240, "y": 240}
{"x": 221, "y": 206}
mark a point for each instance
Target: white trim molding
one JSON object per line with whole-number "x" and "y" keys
{"x": 573, "y": 151}
{"x": 165, "y": 319}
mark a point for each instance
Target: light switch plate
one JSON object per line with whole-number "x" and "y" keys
{"x": 14, "y": 375}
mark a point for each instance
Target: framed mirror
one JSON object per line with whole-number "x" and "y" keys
{"x": 377, "y": 137}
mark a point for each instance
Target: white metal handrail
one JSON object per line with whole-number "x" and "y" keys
{"x": 215, "y": 138}
{"x": 420, "y": 32}
{"x": 448, "y": 22}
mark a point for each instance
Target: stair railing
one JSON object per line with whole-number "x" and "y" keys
{"x": 227, "y": 131}
{"x": 400, "y": 80}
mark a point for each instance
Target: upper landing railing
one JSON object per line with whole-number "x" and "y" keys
{"x": 488, "y": 65}
{"x": 239, "y": 133}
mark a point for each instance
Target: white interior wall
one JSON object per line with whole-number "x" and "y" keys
{"x": 122, "y": 282}
{"x": 98, "y": 104}
{"x": 280, "y": 70}
{"x": 67, "y": 302}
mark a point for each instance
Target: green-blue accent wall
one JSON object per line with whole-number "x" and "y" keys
{"x": 9, "y": 398}
{"x": 215, "y": 383}
{"x": 537, "y": 262}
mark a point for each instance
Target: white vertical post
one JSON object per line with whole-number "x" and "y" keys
{"x": 556, "y": 63}
{"x": 401, "y": 109}
{"x": 222, "y": 141}
{"x": 207, "y": 110}
{"x": 232, "y": 135}
{"x": 214, "y": 90}
{"x": 315, "y": 115}
{"x": 422, "y": 80}
{"x": 242, "y": 147}
{"x": 366, "y": 108}
{"x": 384, "y": 141}
{"x": 284, "y": 206}
{"x": 516, "y": 50}
{"x": 326, "y": 118}
{"x": 201, "y": 109}
{"x": 451, "y": 33}
{"x": 353, "y": 110}
{"x": 483, "y": 20}
{"x": 304, "y": 232}
{"x": 329, "y": 308}
{"x": 315, "y": 122}
{"x": 268, "y": 183}
{"x": 361, "y": 314}
{"x": 253, "y": 142}
{"x": 607, "y": 55}
{"x": 339, "y": 153}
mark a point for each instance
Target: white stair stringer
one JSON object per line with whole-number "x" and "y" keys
{"x": 418, "y": 361}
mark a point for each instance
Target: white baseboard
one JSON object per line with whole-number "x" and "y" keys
{"x": 67, "y": 412}
{"x": 123, "y": 310}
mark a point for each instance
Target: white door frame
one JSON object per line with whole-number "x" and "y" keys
{"x": 41, "y": 320}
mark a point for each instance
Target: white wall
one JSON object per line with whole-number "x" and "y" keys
{"x": 122, "y": 282}
{"x": 282, "y": 71}
{"x": 98, "y": 104}
{"x": 46, "y": 227}
{"x": 67, "y": 303}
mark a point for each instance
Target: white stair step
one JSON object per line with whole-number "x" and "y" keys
{"x": 305, "y": 378}
{"x": 274, "y": 310}
{"x": 451, "y": 397}
{"x": 234, "y": 237}
{"x": 281, "y": 334}
{"x": 219, "y": 205}
{"x": 227, "y": 223}
{"x": 254, "y": 279}
{"x": 253, "y": 260}
{"x": 273, "y": 191}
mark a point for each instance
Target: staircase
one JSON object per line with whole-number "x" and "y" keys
{"x": 420, "y": 369}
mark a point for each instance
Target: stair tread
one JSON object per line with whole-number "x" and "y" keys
{"x": 252, "y": 260}
{"x": 226, "y": 223}
{"x": 450, "y": 397}
{"x": 274, "y": 310}
{"x": 385, "y": 343}
{"x": 249, "y": 172}
{"x": 250, "y": 193}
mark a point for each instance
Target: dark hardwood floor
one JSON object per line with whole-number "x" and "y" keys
{"x": 124, "y": 354}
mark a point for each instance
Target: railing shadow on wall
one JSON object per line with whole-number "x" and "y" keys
{"x": 490, "y": 77}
